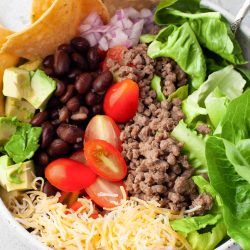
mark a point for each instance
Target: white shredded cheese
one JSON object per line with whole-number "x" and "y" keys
{"x": 135, "y": 224}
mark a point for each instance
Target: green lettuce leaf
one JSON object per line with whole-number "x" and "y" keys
{"x": 213, "y": 95}
{"x": 209, "y": 240}
{"x": 156, "y": 86}
{"x": 180, "y": 44}
{"x": 194, "y": 144}
{"x": 23, "y": 143}
{"x": 147, "y": 38}
{"x": 233, "y": 190}
{"x": 190, "y": 224}
{"x": 206, "y": 25}
{"x": 181, "y": 93}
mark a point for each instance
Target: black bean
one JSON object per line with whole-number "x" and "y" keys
{"x": 66, "y": 47}
{"x": 97, "y": 109}
{"x": 61, "y": 62}
{"x": 39, "y": 118}
{"x": 49, "y": 189}
{"x": 80, "y": 44}
{"x": 60, "y": 88}
{"x": 64, "y": 114}
{"x": 69, "y": 133}
{"x": 47, "y": 134}
{"x": 92, "y": 99}
{"x": 68, "y": 94}
{"x": 73, "y": 104}
{"x": 54, "y": 102}
{"x": 83, "y": 83}
{"x": 103, "y": 81}
{"x": 54, "y": 114}
{"x": 79, "y": 117}
{"x": 93, "y": 58}
{"x": 79, "y": 61}
{"x": 48, "y": 61}
{"x": 58, "y": 148}
{"x": 73, "y": 74}
{"x": 49, "y": 71}
{"x": 42, "y": 158}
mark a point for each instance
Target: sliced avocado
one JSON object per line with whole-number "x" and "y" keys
{"x": 17, "y": 177}
{"x": 5, "y": 162}
{"x": 16, "y": 82}
{"x": 7, "y": 128}
{"x": 32, "y": 65}
{"x": 21, "y": 109}
{"x": 42, "y": 88}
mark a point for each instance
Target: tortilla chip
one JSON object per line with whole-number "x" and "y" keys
{"x": 59, "y": 24}
{"x": 38, "y": 8}
{"x": 113, "y": 5}
{"x": 6, "y": 61}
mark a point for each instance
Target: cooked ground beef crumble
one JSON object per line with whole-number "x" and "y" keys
{"x": 156, "y": 168}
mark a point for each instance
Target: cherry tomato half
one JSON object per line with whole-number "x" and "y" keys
{"x": 69, "y": 175}
{"x": 104, "y": 128}
{"x": 116, "y": 54}
{"x": 77, "y": 205}
{"x": 106, "y": 194}
{"x": 105, "y": 160}
{"x": 121, "y": 101}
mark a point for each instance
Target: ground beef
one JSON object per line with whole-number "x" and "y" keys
{"x": 204, "y": 201}
{"x": 203, "y": 129}
{"x": 156, "y": 168}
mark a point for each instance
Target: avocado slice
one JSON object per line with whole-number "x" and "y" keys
{"x": 42, "y": 88}
{"x": 21, "y": 109}
{"x": 5, "y": 162}
{"x": 16, "y": 177}
{"x": 31, "y": 65}
{"x": 16, "y": 82}
{"x": 8, "y": 127}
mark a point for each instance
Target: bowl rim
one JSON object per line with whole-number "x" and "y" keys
{"x": 33, "y": 243}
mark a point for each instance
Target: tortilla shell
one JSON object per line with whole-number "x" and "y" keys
{"x": 38, "y": 8}
{"x": 113, "y": 5}
{"x": 57, "y": 25}
{"x": 6, "y": 61}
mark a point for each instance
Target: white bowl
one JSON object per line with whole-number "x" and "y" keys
{"x": 13, "y": 236}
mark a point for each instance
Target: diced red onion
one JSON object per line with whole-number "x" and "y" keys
{"x": 124, "y": 28}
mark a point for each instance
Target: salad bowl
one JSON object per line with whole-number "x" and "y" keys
{"x": 18, "y": 238}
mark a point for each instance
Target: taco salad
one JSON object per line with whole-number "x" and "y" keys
{"x": 126, "y": 126}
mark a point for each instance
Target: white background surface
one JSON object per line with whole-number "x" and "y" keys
{"x": 14, "y": 14}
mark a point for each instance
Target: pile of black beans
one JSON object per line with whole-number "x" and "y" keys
{"x": 81, "y": 85}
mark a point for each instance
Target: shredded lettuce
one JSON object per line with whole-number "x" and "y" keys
{"x": 156, "y": 86}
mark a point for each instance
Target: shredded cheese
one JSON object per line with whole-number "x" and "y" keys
{"x": 134, "y": 225}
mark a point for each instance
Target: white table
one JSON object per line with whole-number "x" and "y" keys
{"x": 10, "y": 11}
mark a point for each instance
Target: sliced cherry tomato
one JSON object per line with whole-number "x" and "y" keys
{"x": 106, "y": 194}
{"x": 78, "y": 156}
{"x": 69, "y": 175}
{"x": 68, "y": 198}
{"x": 76, "y": 205}
{"x": 105, "y": 160}
{"x": 116, "y": 54}
{"x": 121, "y": 101}
{"x": 104, "y": 128}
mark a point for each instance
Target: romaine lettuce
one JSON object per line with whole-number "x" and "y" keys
{"x": 211, "y": 30}
{"x": 213, "y": 96}
{"x": 228, "y": 167}
{"x": 180, "y": 44}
